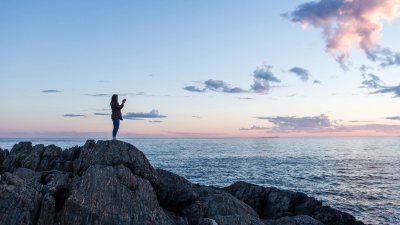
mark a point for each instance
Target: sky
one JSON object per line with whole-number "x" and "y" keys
{"x": 200, "y": 68}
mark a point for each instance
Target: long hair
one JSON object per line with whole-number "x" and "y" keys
{"x": 114, "y": 98}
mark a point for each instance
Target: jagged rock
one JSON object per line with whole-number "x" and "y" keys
{"x": 68, "y": 157}
{"x": 19, "y": 200}
{"x": 294, "y": 220}
{"x": 114, "y": 153}
{"x": 3, "y": 155}
{"x": 112, "y": 182}
{"x": 17, "y": 154}
{"x": 32, "y": 159}
{"x": 238, "y": 220}
{"x": 207, "y": 221}
{"x": 51, "y": 158}
{"x": 198, "y": 201}
{"x": 330, "y": 216}
{"x": 175, "y": 191}
{"x": 112, "y": 195}
{"x": 271, "y": 202}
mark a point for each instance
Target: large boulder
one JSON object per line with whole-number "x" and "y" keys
{"x": 3, "y": 155}
{"x": 112, "y": 196}
{"x": 273, "y": 203}
{"x": 113, "y": 153}
{"x": 197, "y": 202}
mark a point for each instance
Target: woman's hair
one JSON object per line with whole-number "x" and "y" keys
{"x": 114, "y": 98}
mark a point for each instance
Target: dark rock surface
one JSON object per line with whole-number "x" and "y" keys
{"x": 112, "y": 183}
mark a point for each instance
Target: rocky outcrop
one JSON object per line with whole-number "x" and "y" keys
{"x": 112, "y": 182}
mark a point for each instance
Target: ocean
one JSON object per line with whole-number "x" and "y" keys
{"x": 358, "y": 175}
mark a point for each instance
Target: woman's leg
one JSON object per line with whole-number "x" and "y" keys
{"x": 116, "y": 127}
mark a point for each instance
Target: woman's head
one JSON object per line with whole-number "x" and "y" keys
{"x": 114, "y": 98}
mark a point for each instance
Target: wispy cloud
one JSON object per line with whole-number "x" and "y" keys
{"x": 317, "y": 82}
{"x": 143, "y": 115}
{"x": 256, "y": 128}
{"x": 321, "y": 124}
{"x": 393, "y": 118}
{"x": 246, "y": 98}
{"x": 73, "y": 115}
{"x": 120, "y": 94}
{"x": 101, "y": 114}
{"x": 395, "y": 90}
{"x": 155, "y": 121}
{"x": 194, "y": 89}
{"x": 51, "y": 91}
{"x": 346, "y": 23}
{"x": 302, "y": 73}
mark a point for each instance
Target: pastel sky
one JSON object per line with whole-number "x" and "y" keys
{"x": 200, "y": 68}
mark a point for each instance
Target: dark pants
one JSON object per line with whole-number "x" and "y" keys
{"x": 116, "y": 127}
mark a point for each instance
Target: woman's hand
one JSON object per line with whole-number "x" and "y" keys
{"x": 124, "y": 100}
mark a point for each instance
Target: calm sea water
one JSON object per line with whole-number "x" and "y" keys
{"x": 359, "y": 175}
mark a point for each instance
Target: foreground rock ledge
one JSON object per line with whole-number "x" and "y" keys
{"x": 113, "y": 183}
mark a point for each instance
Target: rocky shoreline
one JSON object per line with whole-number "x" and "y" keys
{"x": 113, "y": 183}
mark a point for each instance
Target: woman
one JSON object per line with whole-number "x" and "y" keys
{"x": 116, "y": 115}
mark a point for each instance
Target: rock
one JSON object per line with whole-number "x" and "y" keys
{"x": 272, "y": 203}
{"x": 113, "y": 153}
{"x": 19, "y": 200}
{"x": 112, "y": 195}
{"x": 238, "y": 220}
{"x": 32, "y": 159}
{"x": 197, "y": 201}
{"x": 17, "y": 154}
{"x": 3, "y": 155}
{"x": 112, "y": 182}
{"x": 330, "y": 216}
{"x": 294, "y": 220}
{"x": 207, "y": 221}
{"x": 51, "y": 158}
{"x": 175, "y": 191}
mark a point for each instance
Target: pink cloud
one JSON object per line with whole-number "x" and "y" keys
{"x": 348, "y": 23}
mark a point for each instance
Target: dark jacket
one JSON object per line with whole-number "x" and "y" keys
{"x": 116, "y": 110}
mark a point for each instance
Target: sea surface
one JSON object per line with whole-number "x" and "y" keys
{"x": 358, "y": 175}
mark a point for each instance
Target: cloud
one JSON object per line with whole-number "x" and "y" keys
{"x": 346, "y": 23}
{"x": 109, "y": 95}
{"x": 317, "y": 82}
{"x": 51, "y": 91}
{"x": 99, "y": 95}
{"x": 321, "y": 124}
{"x": 142, "y": 115}
{"x": 255, "y": 128}
{"x": 73, "y": 115}
{"x": 389, "y": 90}
{"x": 393, "y": 118}
{"x": 302, "y": 73}
{"x": 262, "y": 77}
{"x": 194, "y": 89}
{"x": 101, "y": 114}
{"x": 246, "y": 98}
{"x": 197, "y": 117}
{"x": 155, "y": 121}
{"x": 221, "y": 86}
{"x": 310, "y": 124}
{"x": 372, "y": 81}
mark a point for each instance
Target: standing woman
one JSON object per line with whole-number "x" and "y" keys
{"x": 116, "y": 115}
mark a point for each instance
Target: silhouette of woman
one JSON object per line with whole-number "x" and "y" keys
{"x": 116, "y": 115}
